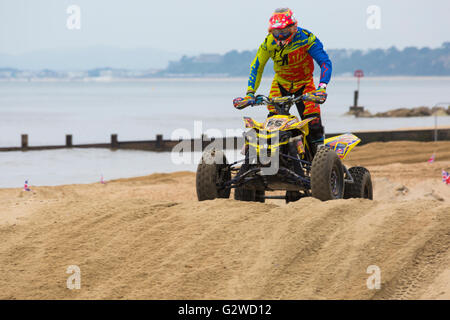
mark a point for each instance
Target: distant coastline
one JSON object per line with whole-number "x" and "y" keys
{"x": 386, "y": 63}
{"x": 209, "y": 78}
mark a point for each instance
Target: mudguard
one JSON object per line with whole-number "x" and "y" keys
{"x": 342, "y": 144}
{"x": 250, "y": 123}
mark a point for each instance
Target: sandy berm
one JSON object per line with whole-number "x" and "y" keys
{"x": 149, "y": 238}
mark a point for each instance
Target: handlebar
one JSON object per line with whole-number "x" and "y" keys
{"x": 281, "y": 104}
{"x": 280, "y": 101}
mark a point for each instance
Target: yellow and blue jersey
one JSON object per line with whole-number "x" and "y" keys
{"x": 293, "y": 62}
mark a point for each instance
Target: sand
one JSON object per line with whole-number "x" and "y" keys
{"x": 149, "y": 238}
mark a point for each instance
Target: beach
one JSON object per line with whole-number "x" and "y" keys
{"x": 149, "y": 238}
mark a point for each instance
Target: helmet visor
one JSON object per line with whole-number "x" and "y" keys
{"x": 282, "y": 34}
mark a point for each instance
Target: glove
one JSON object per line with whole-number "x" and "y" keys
{"x": 319, "y": 95}
{"x": 241, "y": 103}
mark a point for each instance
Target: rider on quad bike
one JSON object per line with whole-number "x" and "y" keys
{"x": 292, "y": 49}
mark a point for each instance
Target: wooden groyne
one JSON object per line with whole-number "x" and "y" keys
{"x": 159, "y": 144}
{"x": 163, "y": 145}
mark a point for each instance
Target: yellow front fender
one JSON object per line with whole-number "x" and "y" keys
{"x": 342, "y": 144}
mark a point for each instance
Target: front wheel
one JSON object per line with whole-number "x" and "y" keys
{"x": 212, "y": 172}
{"x": 361, "y": 186}
{"x": 327, "y": 175}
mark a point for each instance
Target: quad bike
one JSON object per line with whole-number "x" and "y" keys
{"x": 282, "y": 138}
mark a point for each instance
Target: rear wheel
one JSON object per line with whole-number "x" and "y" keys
{"x": 327, "y": 175}
{"x": 212, "y": 172}
{"x": 243, "y": 194}
{"x": 260, "y": 196}
{"x": 361, "y": 186}
{"x": 292, "y": 196}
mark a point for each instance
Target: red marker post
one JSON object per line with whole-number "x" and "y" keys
{"x": 355, "y": 109}
{"x": 359, "y": 74}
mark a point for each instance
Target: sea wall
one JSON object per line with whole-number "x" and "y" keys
{"x": 162, "y": 145}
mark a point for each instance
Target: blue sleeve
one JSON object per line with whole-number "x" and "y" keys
{"x": 321, "y": 57}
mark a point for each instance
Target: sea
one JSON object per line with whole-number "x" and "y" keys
{"x": 177, "y": 108}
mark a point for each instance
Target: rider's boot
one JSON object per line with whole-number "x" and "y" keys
{"x": 316, "y": 135}
{"x": 315, "y": 145}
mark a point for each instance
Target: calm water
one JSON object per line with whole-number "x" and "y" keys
{"x": 91, "y": 111}
{"x": 67, "y": 166}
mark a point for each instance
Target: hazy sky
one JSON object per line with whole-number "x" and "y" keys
{"x": 205, "y": 26}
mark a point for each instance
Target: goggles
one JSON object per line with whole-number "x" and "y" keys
{"x": 282, "y": 34}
